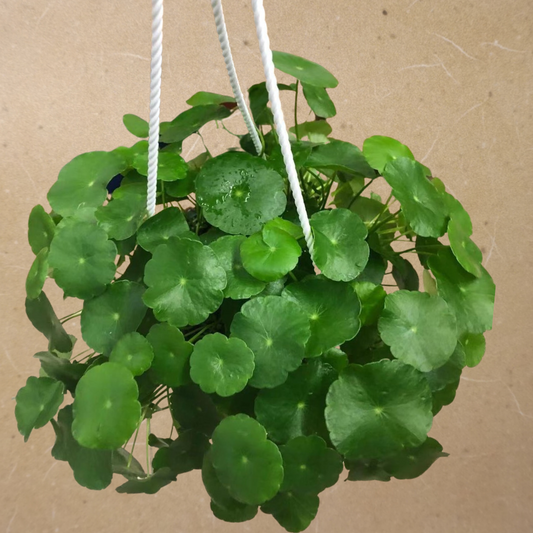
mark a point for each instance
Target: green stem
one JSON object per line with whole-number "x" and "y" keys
{"x": 135, "y": 441}
{"x": 294, "y": 278}
{"x": 163, "y": 198}
{"x": 327, "y": 193}
{"x": 296, "y": 128}
{"x": 199, "y": 334}
{"x": 358, "y": 194}
{"x": 148, "y": 465}
{"x": 70, "y": 317}
{"x": 230, "y": 132}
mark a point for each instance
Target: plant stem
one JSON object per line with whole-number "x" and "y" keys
{"x": 163, "y": 199}
{"x": 70, "y": 317}
{"x": 294, "y": 278}
{"x": 135, "y": 441}
{"x": 327, "y": 193}
{"x": 199, "y": 334}
{"x": 230, "y": 132}
{"x": 296, "y": 129}
{"x": 148, "y": 465}
{"x": 358, "y": 194}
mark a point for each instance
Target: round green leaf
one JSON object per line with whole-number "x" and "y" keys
{"x": 422, "y": 204}
{"x": 241, "y": 285}
{"x": 372, "y": 298}
{"x": 332, "y": 309}
{"x": 465, "y": 250}
{"x": 224, "y": 507}
{"x": 309, "y": 465}
{"x": 474, "y": 346}
{"x": 185, "y": 282}
{"x": 106, "y": 410}
{"x": 377, "y": 409}
{"x": 247, "y": 464}
{"x": 297, "y": 406}
{"x": 41, "y": 229}
{"x": 136, "y": 125}
{"x": 292, "y": 510}
{"x": 37, "y": 403}
{"x": 380, "y": 150}
{"x": 134, "y": 352}
{"x": 340, "y": 155}
{"x": 122, "y": 216}
{"x": 304, "y": 70}
{"x": 341, "y": 252}
{"x": 83, "y": 181}
{"x": 82, "y": 259}
{"x": 276, "y": 330}
{"x": 37, "y": 275}
{"x": 170, "y": 166}
{"x": 171, "y": 355}
{"x": 239, "y": 192}
{"x": 470, "y": 298}
{"x": 158, "y": 229}
{"x": 420, "y": 329}
{"x": 319, "y": 101}
{"x": 108, "y": 317}
{"x": 294, "y": 230}
{"x": 271, "y": 254}
{"x": 221, "y": 365}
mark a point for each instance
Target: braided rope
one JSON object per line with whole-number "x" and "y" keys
{"x": 273, "y": 94}
{"x": 155, "y": 103}
{"x": 230, "y": 67}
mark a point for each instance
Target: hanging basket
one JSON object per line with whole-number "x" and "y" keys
{"x": 277, "y": 367}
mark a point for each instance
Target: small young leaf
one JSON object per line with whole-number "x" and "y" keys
{"x": 44, "y": 319}
{"x": 37, "y": 403}
{"x": 61, "y": 370}
{"x": 159, "y": 228}
{"x": 241, "y": 285}
{"x": 404, "y": 274}
{"x": 465, "y": 250}
{"x": 304, "y": 70}
{"x": 239, "y": 192}
{"x": 270, "y": 254}
{"x": 134, "y": 352}
{"x": 294, "y": 511}
{"x": 185, "y": 282}
{"x": 126, "y": 465}
{"x": 221, "y": 365}
{"x": 106, "y": 410}
{"x": 149, "y": 484}
{"x": 309, "y": 465}
{"x": 106, "y": 318}
{"x": 136, "y": 125}
{"x": 82, "y": 259}
{"x": 377, "y": 409}
{"x": 83, "y": 181}
{"x": 37, "y": 275}
{"x": 420, "y": 329}
{"x": 297, "y": 406}
{"x": 372, "y": 298}
{"x": 248, "y": 464}
{"x": 332, "y": 309}
{"x": 184, "y": 454}
{"x": 341, "y": 252}
{"x": 41, "y": 229}
{"x": 276, "y": 330}
{"x": 380, "y": 150}
{"x": 171, "y": 355}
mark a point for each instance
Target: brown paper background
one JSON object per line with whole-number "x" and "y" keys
{"x": 451, "y": 79}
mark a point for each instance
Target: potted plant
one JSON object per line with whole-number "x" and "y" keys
{"x": 276, "y": 370}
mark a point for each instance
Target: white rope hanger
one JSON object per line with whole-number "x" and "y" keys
{"x": 230, "y": 67}
{"x": 281, "y": 128}
{"x": 155, "y": 103}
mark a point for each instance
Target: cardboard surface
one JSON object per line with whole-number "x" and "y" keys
{"x": 453, "y": 80}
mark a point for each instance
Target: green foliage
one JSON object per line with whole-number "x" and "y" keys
{"x": 275, "y": 368}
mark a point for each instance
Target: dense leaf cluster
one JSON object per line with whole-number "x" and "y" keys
{"x": 276, "y": 374}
